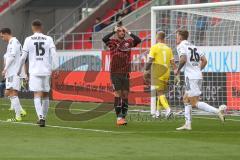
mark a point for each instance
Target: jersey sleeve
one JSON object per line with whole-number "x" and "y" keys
{"x": 152, "y": 52}
{"x": 51, "y": 45}
{"x": 181, "y": 50}
{"x": 25, "y": 46}
{"x": 131, "y": 43}
{"x": 12, "y": 50}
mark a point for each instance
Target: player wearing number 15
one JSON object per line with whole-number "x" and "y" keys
{"x": 41, "y": 51}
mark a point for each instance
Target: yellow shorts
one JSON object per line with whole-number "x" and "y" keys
{"x": 160, "y": 83}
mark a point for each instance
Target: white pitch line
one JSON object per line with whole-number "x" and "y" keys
{"x": 234, "y": 120}
{"x": 69, "y": 128}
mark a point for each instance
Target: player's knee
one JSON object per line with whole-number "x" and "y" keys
{"x": 117, "y": 94}
{"x": 7, "y": 93}
{"x": 193, "y": 103}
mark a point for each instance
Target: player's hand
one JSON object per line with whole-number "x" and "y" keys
{"x": 56, "y": 74}
{"x": 115, "y": 28}
{"x": 4, "y": 72}
{"x": 176, "y": 72}
{"x": 177, "y": 80}
{"x": 26, "y": 78}
{"x": 147, "y": 77}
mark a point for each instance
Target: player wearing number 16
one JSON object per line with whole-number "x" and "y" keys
{"x": 41, "y": 51}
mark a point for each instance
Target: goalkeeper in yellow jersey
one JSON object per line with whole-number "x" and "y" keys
{"x": 158, "y": 68}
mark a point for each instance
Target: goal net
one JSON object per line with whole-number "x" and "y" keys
{"x": 215, "y": 28}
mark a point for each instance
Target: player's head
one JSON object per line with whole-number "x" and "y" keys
{"x": 5, "y": 34}
{"x": 182, "y": 35}
{"x": 121, "y": 32}
{"x": 161, "y": 37}
{"x": 37, "y": 26}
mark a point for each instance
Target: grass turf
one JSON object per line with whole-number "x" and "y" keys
{"x": 100, "y": 139}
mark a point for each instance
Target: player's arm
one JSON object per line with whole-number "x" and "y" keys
{"x": 53, "y": 54}
{"x": 136, "y": 39}
{"x": 107, "y": 37}
{"x": 203, "y": 62}
{"x": 148, "y": 66}
{"x": 182, "y": 62}
{"x": 9, "y": 58}
{"x": 24, "y": 56}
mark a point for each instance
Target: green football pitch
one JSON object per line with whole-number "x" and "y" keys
{"x": 100, "y": 139}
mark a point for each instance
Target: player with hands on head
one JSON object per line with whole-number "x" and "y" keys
{"x": 120, "y": 67}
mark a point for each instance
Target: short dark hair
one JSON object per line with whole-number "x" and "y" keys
{"x": 37, "y": 23}
{"x": 183, "y": 33}
{"x": 6, "y": 31}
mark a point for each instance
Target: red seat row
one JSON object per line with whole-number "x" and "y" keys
{"x": 6, "y": 5}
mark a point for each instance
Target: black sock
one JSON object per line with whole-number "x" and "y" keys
{"x": 117, "y": 106}
{"x": 124, "y": 107}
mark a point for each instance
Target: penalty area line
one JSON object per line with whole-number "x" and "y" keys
{"x": 234, "y": 120}
{"x": 68, "y": 128}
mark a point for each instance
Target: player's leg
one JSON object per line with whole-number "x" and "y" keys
{"x": 158, "y": 109}
{"x": 208, "y": 108}
{"x": 116, "y": 82}
{"x": 162, "y": 98}
{"x": 45, "y": 104}
{"x": 124, "y": 96}
{"x": 36, "y": 85}
{"x": 187, "y": 114}
{"x": 45, "y": 98}
{"x": 13, "y": 86}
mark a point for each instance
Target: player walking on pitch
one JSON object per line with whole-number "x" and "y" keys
{"x": 120, "y": 53}
{"x": 41, "y": 51}
{"x": 193, "y": 62}
{"x": 12, "y": 62}
{"x": 159, "y": 62}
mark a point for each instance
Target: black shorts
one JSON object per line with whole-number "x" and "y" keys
{"x": 120, "y": 81}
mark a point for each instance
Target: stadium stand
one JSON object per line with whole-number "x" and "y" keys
{"x": 4, "y": 4}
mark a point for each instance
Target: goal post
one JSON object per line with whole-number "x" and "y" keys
{"x": 215, "y": 29}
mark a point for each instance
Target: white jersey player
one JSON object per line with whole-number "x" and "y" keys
{"x": 40, "y": 50}
{"x": 11, "y": 65}
{"x": 192, "y": 60}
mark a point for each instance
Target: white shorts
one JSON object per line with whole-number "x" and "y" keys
{"x": 193, "y": 87}
{"x": 13, "y": 83}
{"x": 39, "y": 83}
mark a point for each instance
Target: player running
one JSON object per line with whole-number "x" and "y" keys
{"x": 193, "y": 61}
{"x": 159, "y": 62}
{"x": 11, "y": 65}
{"x": 40, "y": 50}
{"x": 120, "y": 53}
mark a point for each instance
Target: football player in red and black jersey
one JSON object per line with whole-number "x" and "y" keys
{"x": 120, "y": 66}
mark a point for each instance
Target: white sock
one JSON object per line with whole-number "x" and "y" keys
{"x": 188, "y": 114}
{"x": 38, "y": 107}
{"x": 16, "y": 105}
{"x": 206, "y": 107}
{"x": 11, "y": 105}
{"x": 168, "y": 110}
{"x": 45, "y": 105}
{"x": 158, "y": 113}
